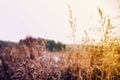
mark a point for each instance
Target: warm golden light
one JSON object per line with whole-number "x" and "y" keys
{"x": 49, "y": 19}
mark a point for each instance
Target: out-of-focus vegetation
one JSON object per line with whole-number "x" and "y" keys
{"x": 98, "y": 61}
{"x": 51, "y": 45}
{"x": 29, "y": 60}
{"x": 40, "y": 59}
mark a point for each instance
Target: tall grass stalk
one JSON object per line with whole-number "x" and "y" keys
{"x": 109, "y": 56}
{"x": 72, "y": 22}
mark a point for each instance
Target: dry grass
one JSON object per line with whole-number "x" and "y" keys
{"x": 99, "y": 61}
{"x": 29, "y": 60}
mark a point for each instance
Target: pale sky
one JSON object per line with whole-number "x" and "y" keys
{"x": 49, "y": 18}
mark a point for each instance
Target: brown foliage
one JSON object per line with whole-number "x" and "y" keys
{"x": 28, "y": 60}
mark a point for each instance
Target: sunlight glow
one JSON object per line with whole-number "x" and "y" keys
{"x": 49, "y": 18}
{"x": 86, "y": 12}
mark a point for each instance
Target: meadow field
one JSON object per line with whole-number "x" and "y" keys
{"x": 43, "y": 59}
{"x": 29, "y": 60}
